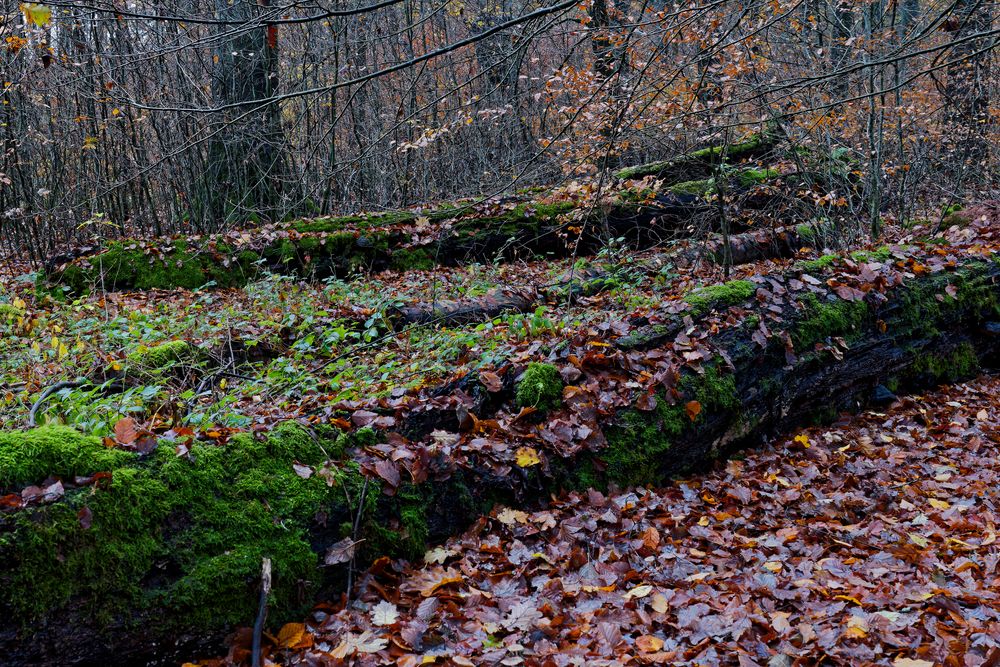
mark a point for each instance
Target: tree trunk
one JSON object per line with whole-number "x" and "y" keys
{"x": 243, "y": 176}
{"x": 967, "y": 91}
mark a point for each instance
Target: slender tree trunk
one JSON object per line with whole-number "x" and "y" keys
{"x": 967, "y": 113}
{"x": 245, "y": 158}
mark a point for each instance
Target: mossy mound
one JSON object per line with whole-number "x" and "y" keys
{"x": 732, "y": 293}
{"x": 174, "y": 543}
{"x": 161, "y": 358}
{"x": 121, "y": 265}
{"x": 540, "y": 387}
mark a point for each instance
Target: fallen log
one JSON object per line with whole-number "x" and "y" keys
{"x": 447, "y": 236}
{"x": 704, "y": 162}
{"x": 749, "y": 247}
{"x": 162, "y": 555}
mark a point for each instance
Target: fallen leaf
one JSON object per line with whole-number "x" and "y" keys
{"x": 648, "y": 643}
{"x": 640, "y": 591}
{"x": 125, "y": 431}
{"x": 527, "y": 457}
{"x": 384, "y": 613}
{"x": 693, "y": 409}
{"x": 341, "y": 552}
{"x": 491, "y": 381}
{"x": 290, "y": 634}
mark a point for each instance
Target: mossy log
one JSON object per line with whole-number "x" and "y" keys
{"x": 163, "y": 556}
{"x": 748, "y": 247}
{"x": 452, "y": 236}
{"x": 743, "y": 248}
{"x": 154, "y": 559}
{"x": 703, "y": 163}
{"x": 924, "y": 333}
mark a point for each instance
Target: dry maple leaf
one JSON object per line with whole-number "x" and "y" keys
{"x": 522, "y": 616}
{"x": 384, "y": 613}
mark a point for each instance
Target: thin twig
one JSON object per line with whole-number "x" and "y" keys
{"x": 258, "y": 626}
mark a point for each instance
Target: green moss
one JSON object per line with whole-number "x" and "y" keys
{"x": 638, "y": 448}
{"x": 704, "y": 299}
{"x": 163, "y": 357}
{"x": 806, "y": 231}
{"x": 363, "y": 437}
{"x": 540, "y": 387}
{"x": 700, "y": 188}
{"x": 817, "y": 265}
{"x": 880, "y": 254}
{"x": 177, "y": 541}
{"x": 180, "y": 538}
{"x": 54, "y": 559}
{"x": 819, "y": 320}
{"x": 10, "y": 312}
{"x": 124, "y": 265}
{"x": 958, "y": 363}
{"x": 702, "y": 157}
{"x": 929, "y": 300}
{"x": 402, "y": 529}
{"x": 409, "y": 259}
{"x": 749, "y": 177}
{"x": 29, "y": 457}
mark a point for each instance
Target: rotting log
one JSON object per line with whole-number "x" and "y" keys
{"x": 745, "y": 248}
{"x": 748, "y": 247}
{"x": 447, "y": 236}
{"x": 163, "y": 556}
{"x": 703, "y": 163}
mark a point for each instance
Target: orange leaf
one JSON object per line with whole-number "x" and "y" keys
{"x": 693, "y": 409}
{"x": 291, "y": 634}
{"x": 649, "y": 643}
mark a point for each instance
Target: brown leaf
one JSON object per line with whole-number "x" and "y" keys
{"x": 491, "y": 381}
{"x": 362, "y": 418}
{"x": 693, "y": 409}
{"x": 125, "y": 431}
{"x": 86, "y": 517}
{"x": 341, "y": 552}
{"x": 388, "y": 471}
{"x": 291, "y": 635}
{"x": 649, "y": 643}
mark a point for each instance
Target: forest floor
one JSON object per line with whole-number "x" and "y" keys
{"x": 871, "y": 541}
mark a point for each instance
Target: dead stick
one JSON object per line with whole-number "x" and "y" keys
{"x": 258, "y": 626}
{"x": 58, "y": 386}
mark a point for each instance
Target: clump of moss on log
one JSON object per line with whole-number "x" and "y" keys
{"x": 822, "y": 319}
{"x": 700, "y": 162}
{"x": 640, "y": 443}
{"x": 28, "y": 458}
{"x": 540, "y": 387}
{"x": 735, "y": 292}
{"x": 180, "y": 266}
{"x": 160, "y": 358}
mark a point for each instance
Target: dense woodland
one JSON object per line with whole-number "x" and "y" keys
{"x": 478, "y": 332}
